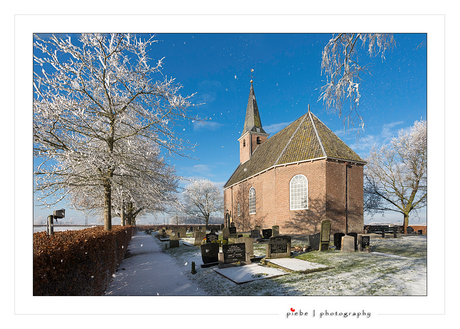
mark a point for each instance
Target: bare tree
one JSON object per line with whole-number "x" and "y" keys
{"x": 203, "y": 198}
{"x": 395, "y": 176}
{"x": 91, "y": 98}
{"x": 342, "y": 68}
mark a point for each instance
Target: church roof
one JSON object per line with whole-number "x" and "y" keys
{"x": 307, "y": 138}
{"x": 252, "y": 121}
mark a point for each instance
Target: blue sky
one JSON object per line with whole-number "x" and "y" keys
{"x": 287, "y": 79}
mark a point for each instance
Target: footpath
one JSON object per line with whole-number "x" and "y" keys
{"x": 148, "y": 271}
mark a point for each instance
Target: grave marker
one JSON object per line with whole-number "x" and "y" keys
{"x": 267, "y": 233}
{"x": 234, "y": 252}
{"x": 348, "y": 243}
{"x": 209, "y": 254}
{"x": 338, "y": 240}
{"x": 211, "y": 237}
{"x": 314, "y": 241}
{"x": 325, "y": 235}
{"x": 279, "y": 247}
{"x": 275, "y": 230}
{"x": 249, "y": 245}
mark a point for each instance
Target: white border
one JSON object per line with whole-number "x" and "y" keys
{"x": 264, "y": 310}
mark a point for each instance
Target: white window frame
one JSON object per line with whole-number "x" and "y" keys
{"x": 297, "y": 194}
{"x": 252, "y": 201}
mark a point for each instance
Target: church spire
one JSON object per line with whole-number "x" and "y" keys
{"x": 252, "y": 121}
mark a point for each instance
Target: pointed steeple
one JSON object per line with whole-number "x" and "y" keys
{"x": 252, "y": 121}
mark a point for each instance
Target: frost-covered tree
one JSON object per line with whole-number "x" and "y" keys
{"x": 202, "y": 199}
{"x": 395, "y": 177}
{"x": 144, "y": 183}
{"x": 92, "y": 98}
{"x": 342, "y": 68}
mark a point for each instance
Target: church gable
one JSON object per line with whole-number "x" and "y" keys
{"x": 307, "y": 138}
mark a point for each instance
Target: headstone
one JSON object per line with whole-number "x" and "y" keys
{"x": 267, "y": 233}
{"x": 210, "y": 253}
{"x": 314, "y": 241}
{"x": 420, "y": 232}
{"x": 348, "y": 243}
{"x": 338, "y": 240}
{"x": 173, "y": 243}
{"x": 275, "y": 230}
{"x": 225, "y": 233}
{"x": 257, "y": 228}
{"x": 234, "y": 252}
{"x": 410, "y": 230}
{"x": 279, "y": 247}
{"x": 211, "y": 237}
{"x": 213, "y": 231}
{"x": 325, "y": 235}
{"x": 181, "y": 232}
{"x": 255, "y": 234}
{"x": 366, "y": 241}
{"x": 199, "y": 236}
{"x": 232, "y": 230}
{"x": 249, "y": 242}
{"x": 355, "y": 236}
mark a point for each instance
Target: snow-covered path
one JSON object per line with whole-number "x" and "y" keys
{"x": 150, "y": 272}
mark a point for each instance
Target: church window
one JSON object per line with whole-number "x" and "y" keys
{"x": 238, "y": 209}
{"x": 298, "y": 188}
{"x": 244, "y": 143}
{"x": 252, "y": 201}
{"x": 258, "y": 140}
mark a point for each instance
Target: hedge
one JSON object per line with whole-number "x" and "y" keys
{"x": 77, "y": 263}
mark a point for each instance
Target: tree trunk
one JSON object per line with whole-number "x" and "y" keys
{"x": 406, "y": 223}
{"x": 122, "y": 215}
{"x": 107, "y": 205}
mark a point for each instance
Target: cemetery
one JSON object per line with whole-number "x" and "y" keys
{"x": 262, "y": 262}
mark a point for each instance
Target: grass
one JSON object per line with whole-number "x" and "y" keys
{"x": 360, "y": 274}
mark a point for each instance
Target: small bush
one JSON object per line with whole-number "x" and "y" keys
{"x": 77, "y": 263}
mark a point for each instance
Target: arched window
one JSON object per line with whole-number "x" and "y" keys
{"x": 252, "y": 200}
{"x": 258, "y": 140}
{"x": 298, "y": 188}
{"x": 238, "y": 208}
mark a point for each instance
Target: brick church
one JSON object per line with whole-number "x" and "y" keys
{"x": 295, "y": 179}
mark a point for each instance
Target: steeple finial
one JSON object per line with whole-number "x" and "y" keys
{"x": 252, "y": 77}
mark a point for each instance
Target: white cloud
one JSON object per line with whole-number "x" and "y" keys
{"x": 206, "y": 125}
{"x": 274, "y": 128}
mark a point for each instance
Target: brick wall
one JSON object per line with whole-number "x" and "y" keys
{"x": 326, "y": 199}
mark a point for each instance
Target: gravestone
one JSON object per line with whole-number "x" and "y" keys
{"x": 279, "y": 247}
{"x": 181, "y": 232}
{"x": 325, "y": 235}
{"x": 257, "y": 228}
{"x": 211, "y": 237}
{"x": 210, "y": 254}
{"x": 267, "y": 233}
{"x": 348, "y": 243}
{"x": 173, "y": 243}
{"x": 199, "y": 236}
{"x": 232, "y": 231}
{"x": 234, "y": 253}
{"x": 275, "y": 230}
{"x": 355, "y": 236}
{"x": 249, "y": 242}
{"x": 366, "y": 241}
{"x": 225, "y": 233}
{"x": 420, "y": 232}
{"x": 314, "y": 241}
{"x": 213, "y": 231}
{"x": 338, "y": 240}
{"x": 255, "y": 234}
{"x": 410, "y": 230}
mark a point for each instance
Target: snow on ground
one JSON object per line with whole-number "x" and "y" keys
{"x": 152, "y": 270}
{"x": 353, "y": 273}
